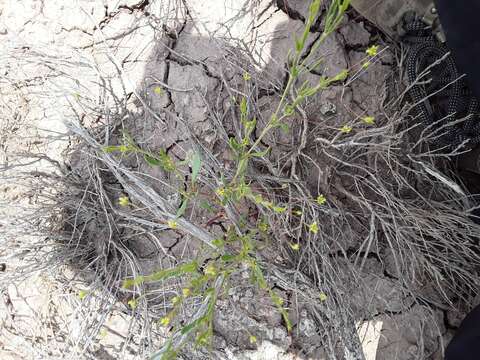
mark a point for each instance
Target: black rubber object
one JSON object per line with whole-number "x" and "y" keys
{"x": 443, "y": 96}
{"x": 460, "y": 22}
{"x": 465, "y": 345}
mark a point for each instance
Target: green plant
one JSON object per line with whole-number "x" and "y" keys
{"x": 208, "y": 276}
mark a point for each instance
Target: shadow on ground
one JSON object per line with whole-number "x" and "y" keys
{"x": 368, "y": 266}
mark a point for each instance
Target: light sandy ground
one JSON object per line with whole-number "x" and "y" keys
{"x": 40, "y": 318}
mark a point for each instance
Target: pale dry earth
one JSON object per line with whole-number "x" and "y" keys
{"x": 55, "y": 52}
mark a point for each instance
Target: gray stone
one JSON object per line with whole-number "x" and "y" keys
{"x": 355, "y": 34}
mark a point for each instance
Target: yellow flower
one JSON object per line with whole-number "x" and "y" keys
{"x": 321, "y": 199}
{"x": 172, "y": 224}
{"x": 279, "y": 209}
{"x": 369, "y": 120}
{"x": 123, "y": 201}
{"x": 186, "y": 292}
{"x": 372, "y": 50}
{"x": 253, "y": 339}
{"x": 203, "y": 339}
{"x": 295, "y": 247}
{"x": 103, "y": 333}
{"x": 288, "y": 110}
{"x": 246, "y": 76}
{"x": 346, "y": 129}
{"x": 132, "y": 303}
{"x": 165, "y": 321}
{"x": 263, "y": 226}
{"x": 313, "y": 227}
{"x": 167, "y": 163}
{"x": 220, "y": 191}
{"x": 82, "y": 294}
{"x": 258, "y": 199}
{"x": 322, "y": 296}
{"x": 176, "y": 300}
{"x": 267, "y": 204}
{"x": 366, "y": 64}
{"x": 210, "y": 270}
{"x": 158, "y": 90}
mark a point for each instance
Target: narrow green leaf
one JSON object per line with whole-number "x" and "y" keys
{"x": 162, "y": 274}
{"x": 182, "y": 208}
{"x": 259, "y": 278}
{"x": 187, "y": 328}
{"x": 196, "y": 166}
{"x": 250, "y": 126}
{"x": 242, "y": 166}
{"x": 110, "y": 149}
{"x": 314, "y": 8}
{"x": 128, "y": 140}
{"x": 341, "y": 76}
{"x": 243, "y": 106}
{"x": 260, "y": 154}
{"x": 128, "y": 283}
{"x": 205, "y": 205}
{"x": 151, "y": 160}
{"x": 287, "y": 321}
{"x": 294, "y": 71}
{"x": 234, "y": 144}
{"x": 227, "y": 258}
{"x": 167, "y": 354}
{"x": 284, "y": 127}
{"x": 298, "y": 45}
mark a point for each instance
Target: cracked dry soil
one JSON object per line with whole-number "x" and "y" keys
{"x": 197, "y": 51}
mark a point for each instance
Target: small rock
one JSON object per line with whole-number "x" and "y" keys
{"x": 332, "y": 54}
{"x": 355, "y": 34}
{"x": 249, "y": 294}
{"x": 455, "y": 318}
{"x": 307, "y": 327}
{"x": 328, "y": 108}
{"x": 281, "y": 335}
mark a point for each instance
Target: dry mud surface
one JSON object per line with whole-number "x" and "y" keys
{"x": 57, "y": 54}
